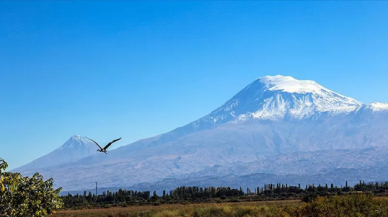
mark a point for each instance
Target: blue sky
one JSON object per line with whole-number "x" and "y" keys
{"x": 107, "y": 69}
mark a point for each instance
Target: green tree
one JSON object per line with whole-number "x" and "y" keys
{"x": 24, "y": 196}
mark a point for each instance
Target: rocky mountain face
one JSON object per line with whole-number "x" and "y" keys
{"x": 263, "y": 129}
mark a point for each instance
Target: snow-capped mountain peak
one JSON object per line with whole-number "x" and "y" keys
{"x": 290, "y": 84}
{"x": 77, "y": 141}
{"x": 76, "y": 137}
{"x": 277, "y": 97}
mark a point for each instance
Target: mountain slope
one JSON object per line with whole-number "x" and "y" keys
{"x": 225, "y": 146}
{"x": 272, "y": 116}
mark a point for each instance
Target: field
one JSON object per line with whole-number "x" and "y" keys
{"x": 345, "y": 205}
{"x": 267, "y": 208}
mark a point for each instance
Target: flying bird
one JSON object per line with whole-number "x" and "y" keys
{"x": 106, "y": 147}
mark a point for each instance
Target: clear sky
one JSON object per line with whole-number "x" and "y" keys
{"x": 107, "y": 69}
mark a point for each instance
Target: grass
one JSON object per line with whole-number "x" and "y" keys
{"x": 264, "y": 208}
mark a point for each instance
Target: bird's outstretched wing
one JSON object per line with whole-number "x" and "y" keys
{"x": 95, "y": 142}
{"x": 107, "y": 146}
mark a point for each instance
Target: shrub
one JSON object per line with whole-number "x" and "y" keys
{"x": 349, "y": 205}
{"x": 24, "y": 196}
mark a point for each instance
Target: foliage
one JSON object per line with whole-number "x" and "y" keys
{"x": 24, "y": 196}
{"x": 349, "y": 205}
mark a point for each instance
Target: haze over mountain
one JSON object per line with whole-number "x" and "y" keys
{"x": 261, "y": 130}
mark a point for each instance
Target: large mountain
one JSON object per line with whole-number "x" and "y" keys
{"x": 273, "y": 118}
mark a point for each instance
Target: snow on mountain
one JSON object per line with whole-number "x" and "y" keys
{"x": 272, "y": 116}
{"x": 378, "y": 106}
{"x": 290, "y": 84}
{"x": 278, "y": 97}
{"x": 323, "y": 99}
{"x": 77, "y": 147}
{"x": 76, "y": 142}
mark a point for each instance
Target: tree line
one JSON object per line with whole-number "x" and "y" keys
{"x": 194, "y": 194}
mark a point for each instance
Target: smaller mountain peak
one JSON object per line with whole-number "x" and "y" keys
{"x": 75, "y": 148}
{"x": 76, "y": 140}
{"x": 76, "y": 137}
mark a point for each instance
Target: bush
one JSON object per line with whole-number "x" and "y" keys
{"x": 24, "y": 196}
{"x": 309, "y": 197}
